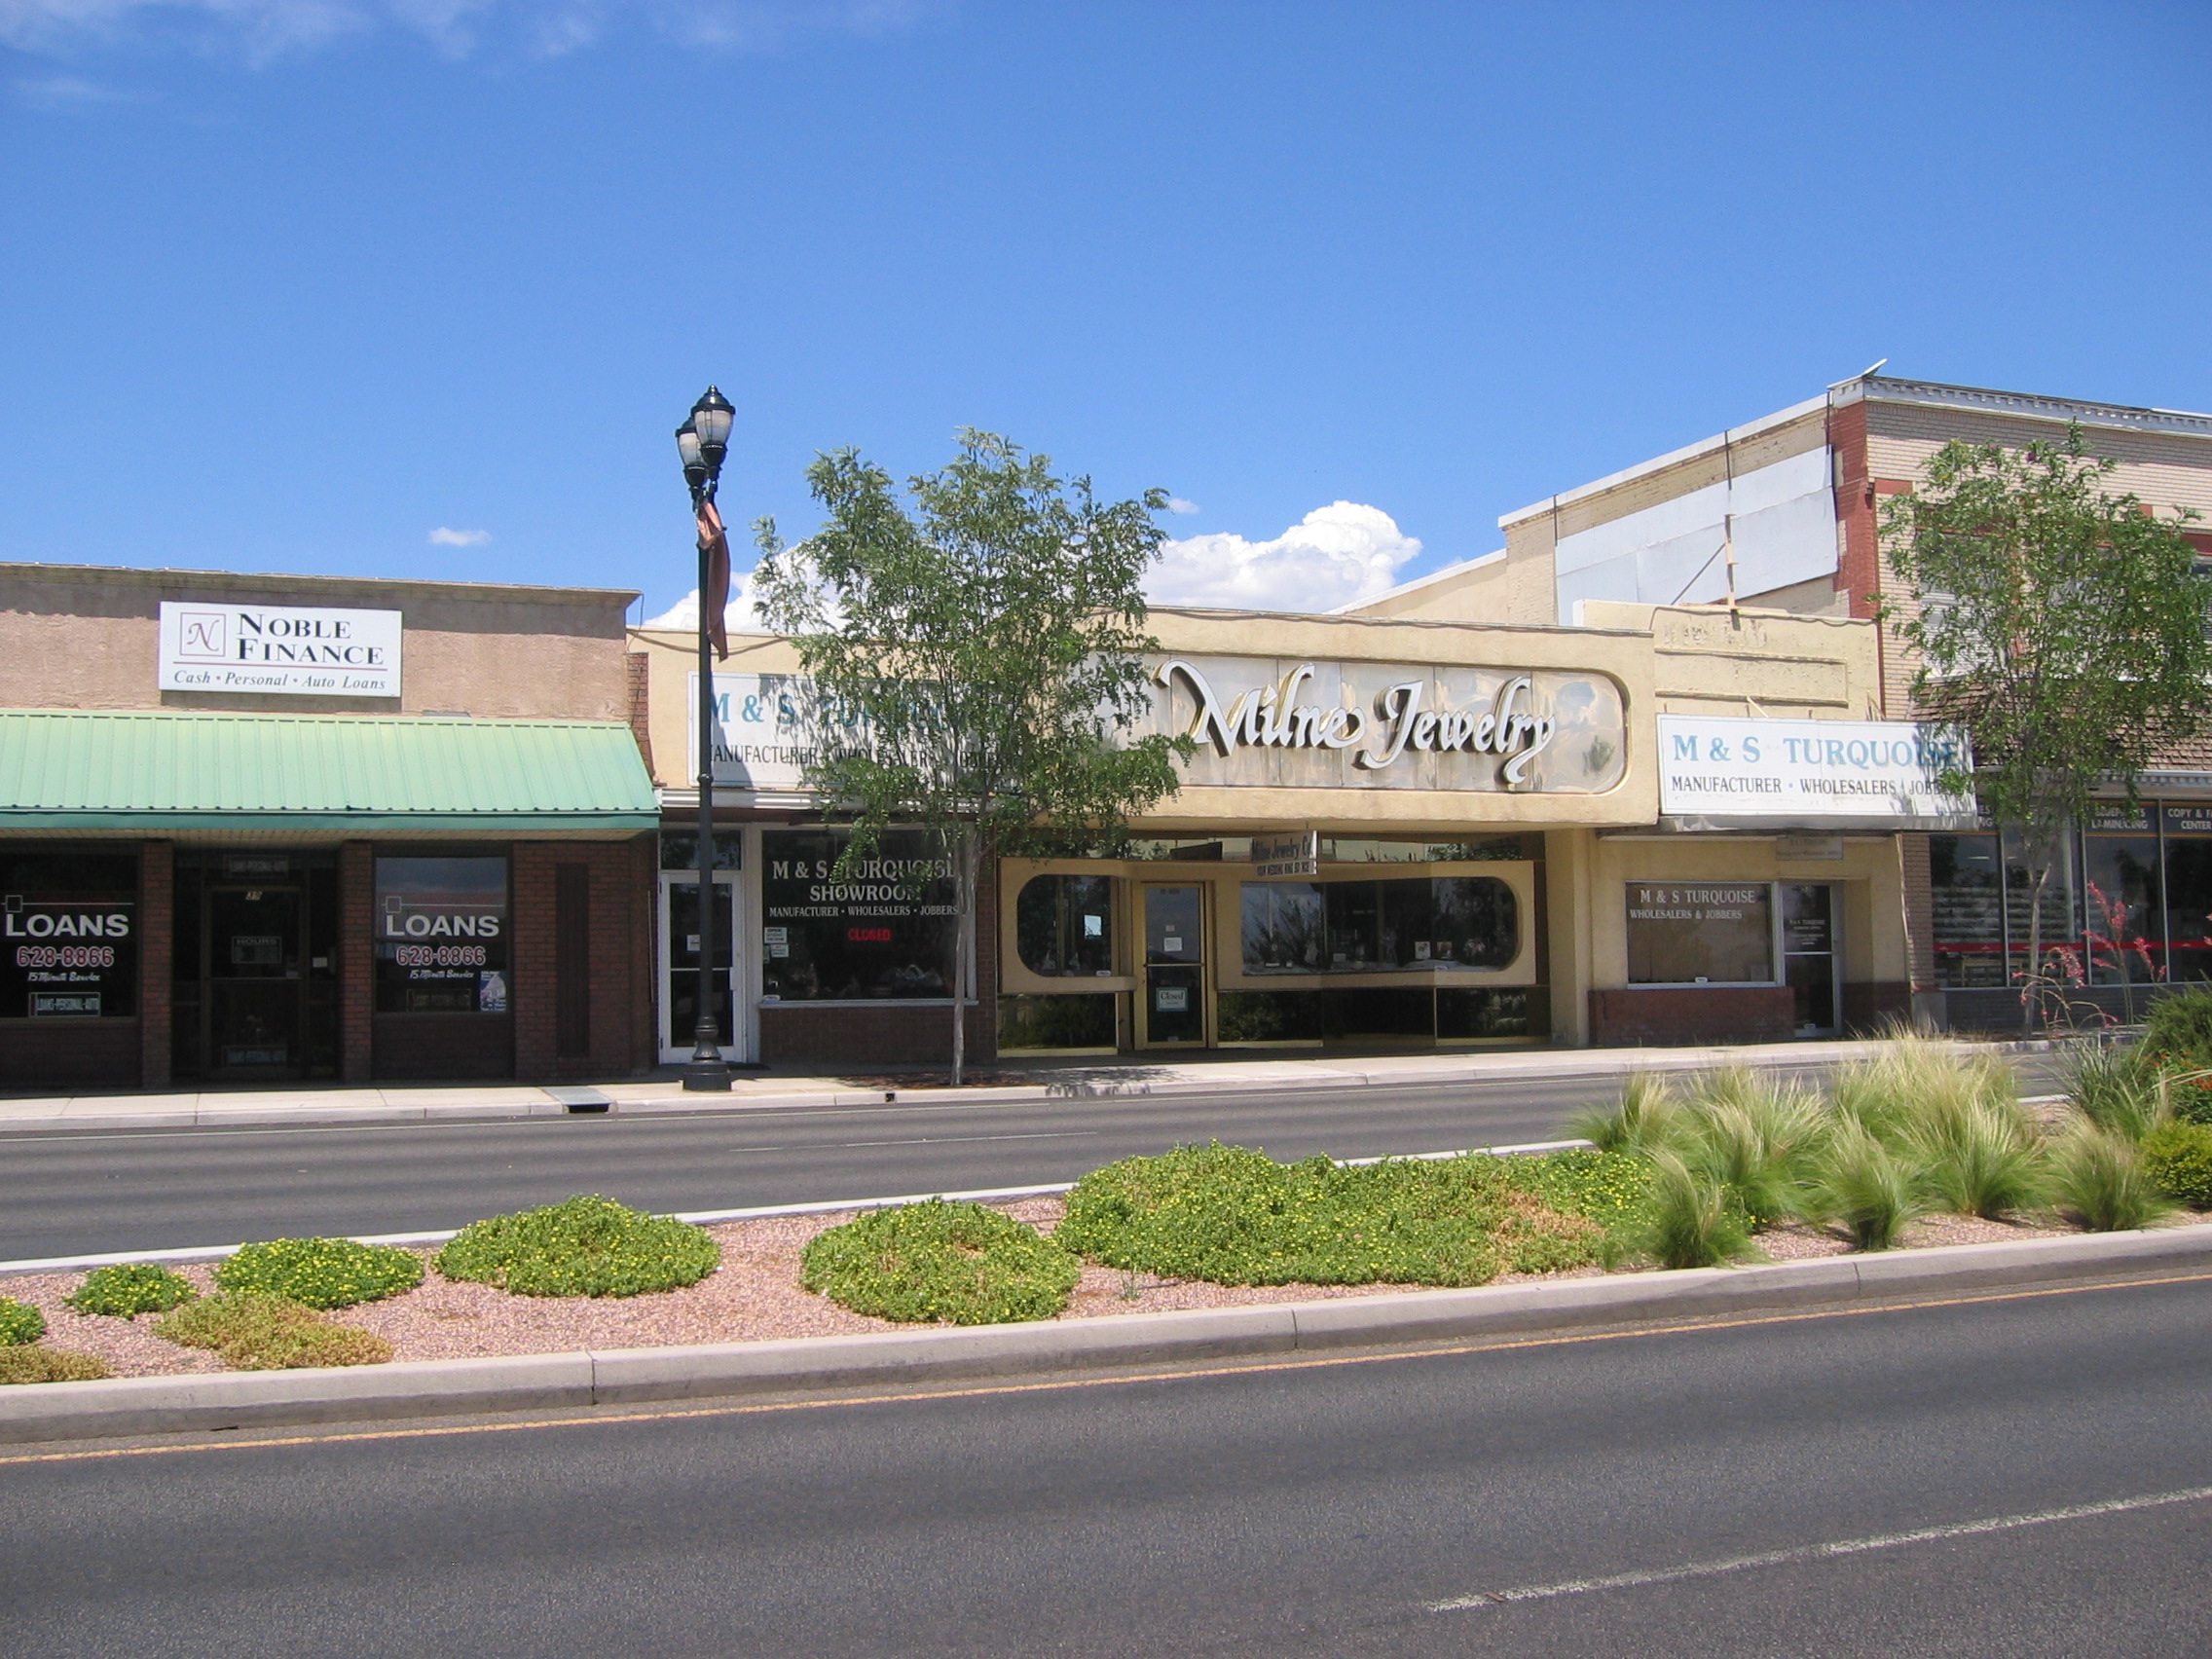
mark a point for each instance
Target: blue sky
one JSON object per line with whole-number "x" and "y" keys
{"x": 292, "y": 285}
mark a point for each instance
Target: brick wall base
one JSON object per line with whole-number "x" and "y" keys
{"x": 70, "y": 1053}
{"x": 1868, "y": 1007}
{"x": 858, "y": 1038}
{"x": 1674, "y": 1015}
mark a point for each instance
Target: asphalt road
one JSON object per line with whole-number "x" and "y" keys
{"x": 93, "y": 1191}
{"x": 1325, "y": 1509}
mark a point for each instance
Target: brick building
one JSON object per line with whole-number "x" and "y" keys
{"x": 274, "y": 828}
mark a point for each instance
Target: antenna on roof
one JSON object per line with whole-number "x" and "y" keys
{"x": 1871, "y": 372}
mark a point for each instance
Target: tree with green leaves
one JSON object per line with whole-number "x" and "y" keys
{"x": 2062, "y": 628}
{"x": 974, "y": 659}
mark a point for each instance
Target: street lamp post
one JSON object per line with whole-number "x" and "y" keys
{"x": 702, "y": 441}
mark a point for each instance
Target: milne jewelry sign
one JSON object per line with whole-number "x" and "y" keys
{"x": 294, "y": 649}
{"x": 1286, "y": 855}
{"x": 1388, "y": 725}
{"x": 1877, "y": 774}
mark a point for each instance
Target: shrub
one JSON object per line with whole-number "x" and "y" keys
{"x": 2177, "y": 1157}
{"x": 1756, "y": 1136}
{"x": 19, "y": 1323}
{"x": 961, "y": 1263}
{"x": 581, "y": 1246}
{"x": 2121, "y": 1090}
{"x": 28, "y": 1363}
{"x": 131, "y": 1288}
{"x": 2177, "y": 1038}
{"x": 1692, "y": 1223}
{"x": 253, "y": 1332}
{"x": 2099, "y": 1178}
{"x": 1863, "y": 1184}
{"x": 1231, "y": 1216}
{"x": 320, "y": 1273}
{"x": 1915, "y": 1075}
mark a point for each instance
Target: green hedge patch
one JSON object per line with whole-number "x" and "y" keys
{"x": 19, "y": 1323}
{"x": 582, "y": 1247}
{"x": 1231, "y": 1216}
{"x": 28, "y": 1363}
{"x": 960, "y": 1262}
{"x": 270, "y": 1333}
{"x": 131, "y": 1288}
{"x": 2179, "y": 1158}
{"x": 320, "y": 1273}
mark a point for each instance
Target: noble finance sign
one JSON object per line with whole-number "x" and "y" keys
{"x": 296, "y": 651}
{"x": 1287, "y": 723}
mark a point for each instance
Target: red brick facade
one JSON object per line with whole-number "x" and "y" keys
{"x": 620, "y": 963}
{"x": 357, "y": 962}
{"x": 157, "y": 944}
{"x": 1670, "y": 1015}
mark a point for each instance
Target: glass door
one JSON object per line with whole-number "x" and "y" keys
{"x": 255, "y": 992}
{"x": 1174, "y": 1003}
{"x": 1809, "y": 956}
{"x": 679, "y": 964}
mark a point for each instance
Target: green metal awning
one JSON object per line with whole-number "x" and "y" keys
{"x": 154, "y": 772}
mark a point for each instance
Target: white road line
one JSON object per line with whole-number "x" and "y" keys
{"x": 1816, "y": 1552}
{"x": 946, "y": 1140}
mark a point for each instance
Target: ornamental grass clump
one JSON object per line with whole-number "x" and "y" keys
{"x": 1231, "y": 1216}
{"x": 1693, "y": 1223}
{"x": 19, "y": 1323}
{"x": 252, "y": 1332}
{"x": 2099, "y": 1178}
{"x": 320, "y": 1273}
{"x": 1981, "y": 1155}
{"x": 586, "y": 1245}
{"x": 2121, "y": 1090}
{"x": 1644, "y": 1120}
{"x": 29, "y": 1362}
{"x": 1757, "y": 1136}
{"x": 1863, "y": 1184}
{"x": 960, "y": 1262}
{"x": 128, "y": 1289}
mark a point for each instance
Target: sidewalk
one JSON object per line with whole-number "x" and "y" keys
{"x": 1045, "y": 1080}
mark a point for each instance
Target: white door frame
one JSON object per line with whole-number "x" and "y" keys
{"x": 744, "y": 1041}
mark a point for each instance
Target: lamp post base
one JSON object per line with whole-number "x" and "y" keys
{"x": 709, "y": 1074}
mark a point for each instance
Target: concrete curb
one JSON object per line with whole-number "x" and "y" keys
{"x": 1568, "y": 1065}
{"x": 160, "y": 1405}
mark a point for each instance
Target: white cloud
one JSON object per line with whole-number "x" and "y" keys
{"x": 263, "y": 31}
{"x": 1176, "y": 504}
{"x": 1336, "y": 555}
{"x": 739, "y": 618}
{"x": 444, "y": 537}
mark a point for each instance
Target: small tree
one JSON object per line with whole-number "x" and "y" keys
{"x": 975, "y": 663}
{"x": 2061, "y": 628}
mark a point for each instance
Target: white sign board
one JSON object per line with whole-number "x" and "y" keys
{"x": 760, "y": 740}
{"x": 1879, "y": 774}
{"x": 298, "y": 650}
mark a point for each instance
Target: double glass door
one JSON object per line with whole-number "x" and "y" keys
{"x": 679, "y": 966}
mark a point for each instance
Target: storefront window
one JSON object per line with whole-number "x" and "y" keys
{"x": 1700, "y": 934}
{"x": 68, "y": 936}
{"x": 2121, "y": 885}
{"x": 441, "y": 936}
{"x": 679, "y": 849}
{"x": 1352, "y": 927}
{"x": 2188, "y": 891}
{"x": 1969, "y": 922}
{"x": 2059, "y": 937}
{"x": 1065, "y": 926}
{"x": 886, "y": 930}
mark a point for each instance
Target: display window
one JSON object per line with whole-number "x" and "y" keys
{"x": 1685, "y": 933}
{"x": 1065, "y": 926}
{"x": 442, "y": 935}
{"x": 68, "y": 936}
{"x": 885, "y": 929}
{"x": 1444, "y": 923}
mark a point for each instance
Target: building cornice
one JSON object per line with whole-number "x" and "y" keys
{"x": 2023, "y": 405}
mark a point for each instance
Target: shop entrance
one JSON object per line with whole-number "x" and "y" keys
{"x": 256, "y": 975}
{"x": 679, "y": 964}
{"x": 1809, "y": 956}
{"x": 1172, "y": 1014}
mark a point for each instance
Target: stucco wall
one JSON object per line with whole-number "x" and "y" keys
{"x": 86, "y": 638}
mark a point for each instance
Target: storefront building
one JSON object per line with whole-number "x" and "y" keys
{"x": 267, "y": 829}
{"x": 1401, "y": 833}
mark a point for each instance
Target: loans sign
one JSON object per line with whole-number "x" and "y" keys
{"x": 296, "y": 651}
{"x": 1884, "y": 774}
